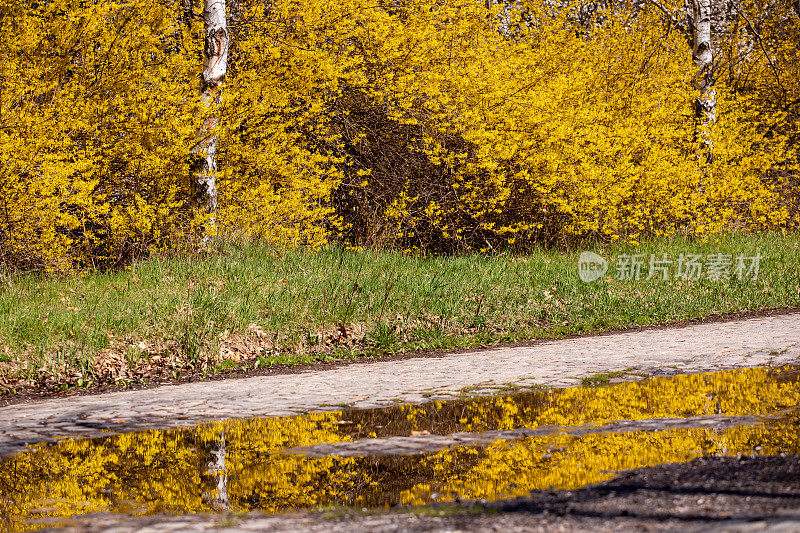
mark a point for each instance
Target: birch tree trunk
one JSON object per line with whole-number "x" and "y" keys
{"x": 215, "y": 66}
{"x": 703, "y": 55}
{"x": 216, "y": 470}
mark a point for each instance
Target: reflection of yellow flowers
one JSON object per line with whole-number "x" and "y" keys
{"x": 751, "y": 391}
{"x": 169, "y": 470}
{"x": 510, "y": 469}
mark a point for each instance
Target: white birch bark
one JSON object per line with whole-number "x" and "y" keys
{"x": 703, "y": 55}
{"x": 507, "y": 16}
{"x": 217, "y": 497}
{"x": 215, "y": 66}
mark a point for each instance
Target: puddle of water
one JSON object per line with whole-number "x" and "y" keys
{"x": 243, "y": 464}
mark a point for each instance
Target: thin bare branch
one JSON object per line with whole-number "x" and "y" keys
{"x": 751, "y": 27}
{"x": 682, "y": 27}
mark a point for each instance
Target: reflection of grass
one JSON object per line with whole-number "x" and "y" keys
{"x": 601, "y": 378}
{"x": 450, "y": 509}
{"x": 231, "y": 519}
{"x": 330, "y": 512}
{"x": 508, "y": 388}
{"x": 293, "y": 307}
{"x": 435, "y": 509}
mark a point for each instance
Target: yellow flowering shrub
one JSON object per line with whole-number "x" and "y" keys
{"x": 550, "y": 134}
{"x": 100, "y": 110}
{"x": 88, "y": 141}
{"x": 427, "y": 124}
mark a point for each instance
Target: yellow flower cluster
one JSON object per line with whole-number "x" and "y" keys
{"x": 427, "y": 123}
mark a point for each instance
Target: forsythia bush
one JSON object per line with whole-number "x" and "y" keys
{"x": 548, "y": 133}
{"x": 95, "y": 102}
{"x": 429, "y": 124}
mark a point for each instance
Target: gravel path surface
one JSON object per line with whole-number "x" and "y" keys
{"x": 764, "y": 341}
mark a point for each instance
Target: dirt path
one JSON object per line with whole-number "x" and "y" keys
{"x": 764, "y": 341}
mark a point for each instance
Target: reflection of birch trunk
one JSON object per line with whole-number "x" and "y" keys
{"x": 703, "y": 55}
{"x": 217, "y": 497}
{"x": 215, "y": 65}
